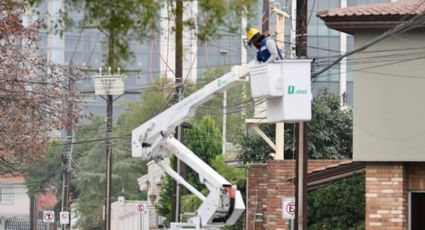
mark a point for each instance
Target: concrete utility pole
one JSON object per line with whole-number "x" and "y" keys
{"x": 300, "y": 128}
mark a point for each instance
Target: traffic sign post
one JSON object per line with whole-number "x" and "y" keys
{"x": 64, "y": 217}
{"x": 140, "y": 208}
{"x": 48, "y": 216}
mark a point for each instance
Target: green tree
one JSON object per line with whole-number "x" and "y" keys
{"x": 126, "y": 170}
{"x": 46, "y": 172}
{"x": 235, "y": 104}
{"x": 203, "y": 138}
{"x": 235, "y": 176}
{"x": 121, "y": 21}
{"x": 126, "y": 20}
{"x": 331, "y": 128}
{"x": 345, "y": 196}
{"x": 330, "y": 135}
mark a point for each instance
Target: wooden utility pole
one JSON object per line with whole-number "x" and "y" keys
{"x": 300, "y": 128}
{"x": 33, "y": 212}
{"x": 109, "y": 120}
{"x": 265, "y": 17}
{"x": 178, "y": 95}
{"x": 66, "y": 174}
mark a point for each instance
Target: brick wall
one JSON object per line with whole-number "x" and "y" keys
{"x": 416, "y": 175}
{"x": 256, "y": 198}
{"x": 387, "y": 186}
{"x": 386, "y": 196}
{"x": 267, "y": 185}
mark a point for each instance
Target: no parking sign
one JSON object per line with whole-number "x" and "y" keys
{"x": 48, "y": 216}
{"x": 64, "y": 217}
{"x": 288, "y": 208}
{"x": 140, "y": 208}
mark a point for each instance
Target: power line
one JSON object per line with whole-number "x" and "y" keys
{"x": 400, "y": 28}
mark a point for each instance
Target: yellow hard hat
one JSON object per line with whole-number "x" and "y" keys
{"x": 251, "y": 32}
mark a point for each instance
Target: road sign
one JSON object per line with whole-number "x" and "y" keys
{"x": 49, "y": 216}
{"x": 140, "y": 208}
{"x": 64, "y": 217}
{"x": 288, "y": 208}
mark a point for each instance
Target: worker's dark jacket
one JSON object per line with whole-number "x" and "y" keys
{"x": 263, "y": 53}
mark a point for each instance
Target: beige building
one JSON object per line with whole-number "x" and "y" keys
{"x": 389, "y": 83}
{"x": 129, "y": 215}
{"x": 14, "y": 201}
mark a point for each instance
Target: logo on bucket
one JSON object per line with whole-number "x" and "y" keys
{"x": 292, "y": 90}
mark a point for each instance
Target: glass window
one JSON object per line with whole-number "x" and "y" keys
{"x": 316, "y": 26}
{"x": 6, "y": 195}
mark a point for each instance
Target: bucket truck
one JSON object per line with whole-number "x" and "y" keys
{"x": 154, "y": 140}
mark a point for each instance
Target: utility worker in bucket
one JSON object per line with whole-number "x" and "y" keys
{"x": 267, "y": 48}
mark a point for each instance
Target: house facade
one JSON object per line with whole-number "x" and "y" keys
{"x": 388, "y": 93}
{"x": 14, "y": 202}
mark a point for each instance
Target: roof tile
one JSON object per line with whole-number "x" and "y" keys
{"x": 407, "y": 7}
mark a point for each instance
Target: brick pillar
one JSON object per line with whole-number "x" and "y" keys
{"x": 277, "y": 188}
{"x": 386, "y": 196}
{"x": 256, "y": 196}
{"x": 267, "y": 185}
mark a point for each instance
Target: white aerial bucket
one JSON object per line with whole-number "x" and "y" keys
{"x": 286, "y": 86}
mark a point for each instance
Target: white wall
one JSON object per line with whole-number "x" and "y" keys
{"x": 389, "y": 107}
{"x": 125, "y": 217}
{"x": 21, "y": 202}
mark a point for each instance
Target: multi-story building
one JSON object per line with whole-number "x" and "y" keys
{"x": 86, "y": 47}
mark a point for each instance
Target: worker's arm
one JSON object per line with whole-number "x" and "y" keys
{"x": 271, "y": 46}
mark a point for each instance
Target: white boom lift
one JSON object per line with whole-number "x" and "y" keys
{"x": 154, "y": 140}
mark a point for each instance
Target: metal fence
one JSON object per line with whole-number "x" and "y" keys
{"x": 20, "y": 223}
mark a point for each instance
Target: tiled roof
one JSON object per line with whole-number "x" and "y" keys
{"x": 407, "y": 7}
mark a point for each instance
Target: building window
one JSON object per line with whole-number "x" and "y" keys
{"x": 6, "y": 195}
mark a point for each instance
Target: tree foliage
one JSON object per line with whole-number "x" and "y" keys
{"x": 330, "y": 135}
{"x": 45, "y": 172}
{"x": 126, "y": 20}
{"x": 34, "y": 99}
{"x": 120, "y": 20}
{"x": 203, "y": 138}
{"x": 340, "y": 205}
{"x": 331, "y": 128}
{"x": 90, "y": 177}
{"x": 236, "y": 176}
{"x": 219, "y": 14}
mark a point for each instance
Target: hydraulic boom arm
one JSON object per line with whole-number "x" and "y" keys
{"x": 154, "y": 140}
{"x": 151, "y": 135}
